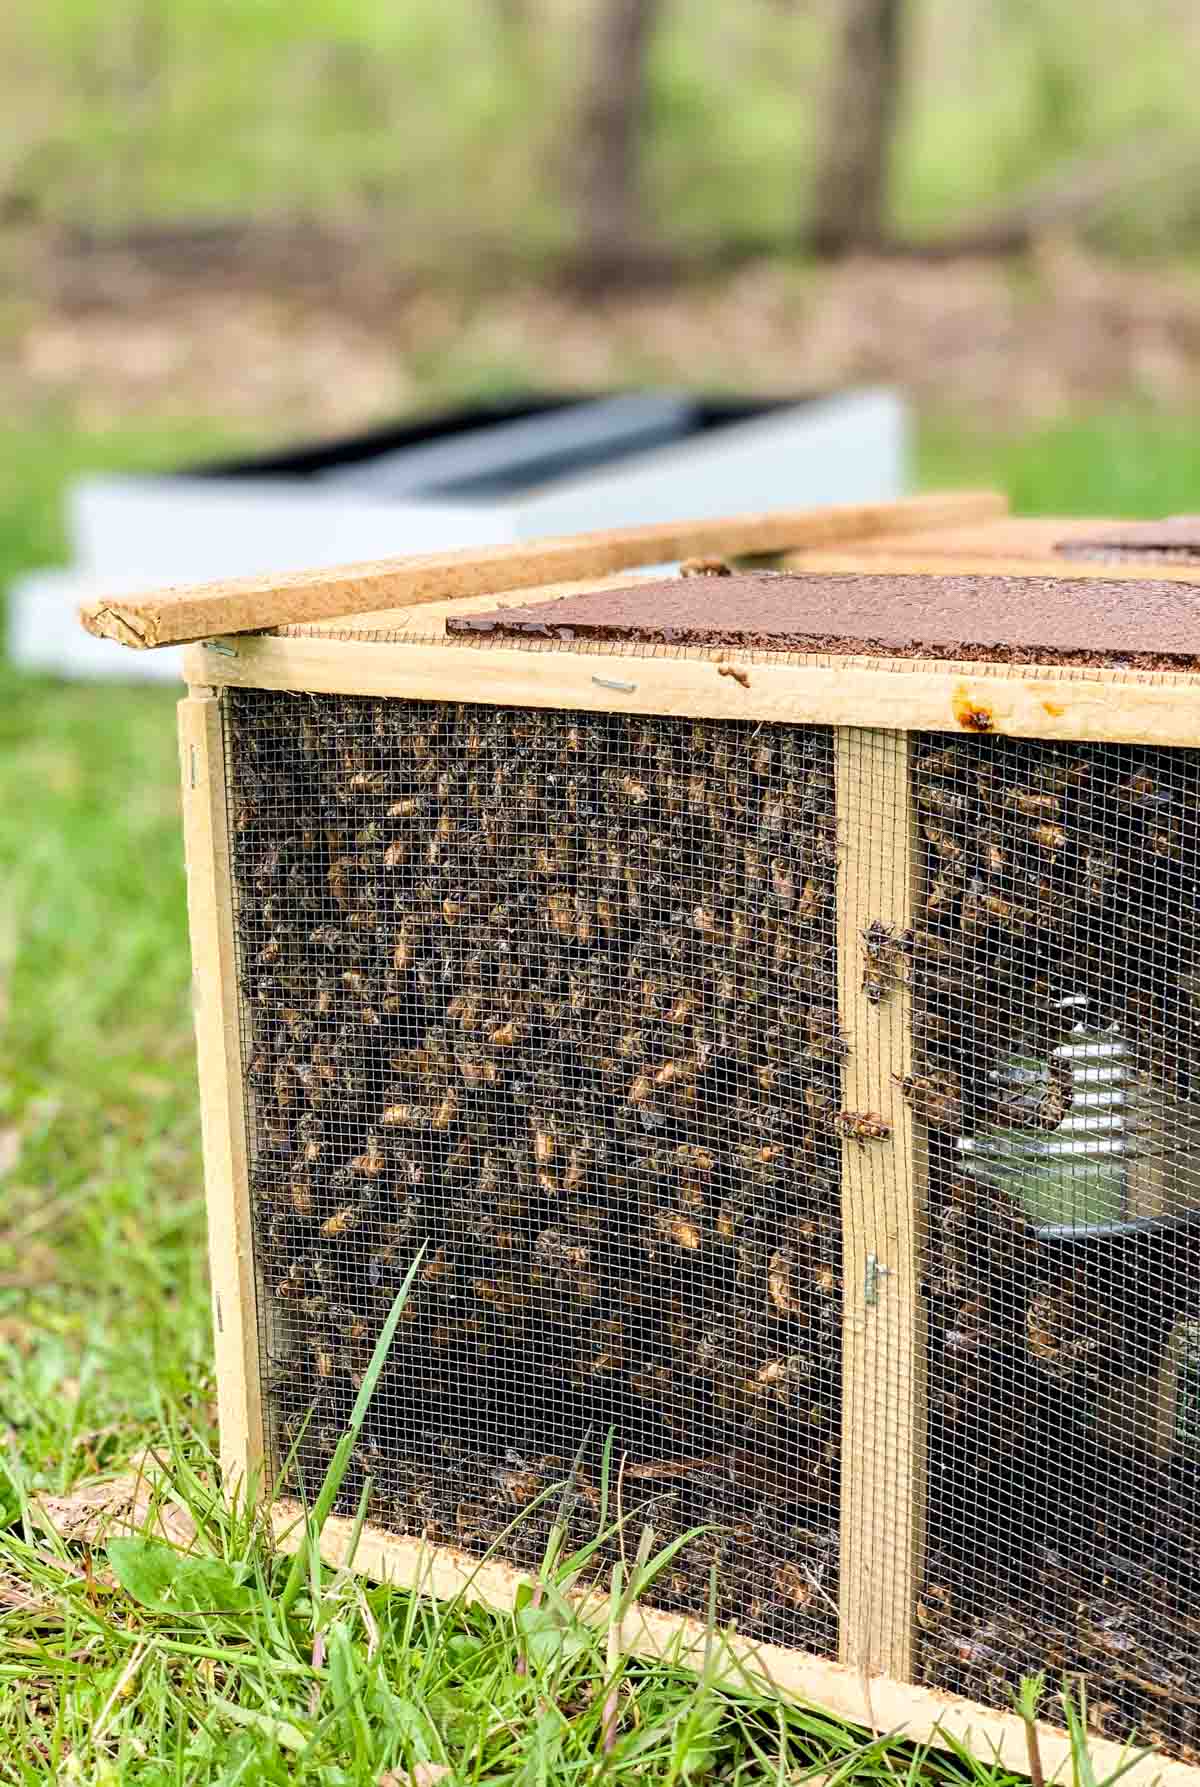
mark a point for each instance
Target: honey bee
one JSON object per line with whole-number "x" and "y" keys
{"x": 882, "y": 960}
{"x": 934, "y": 1606}
{"x": 794, "y": 1585}
{"x": 861, "y": 1126}
{"x": 406, "y": 1116}
{"x": 950, "y": 802}
{"x": 981, "y": 908}
{"x": 341, "y": 1222}
{"x": 1049, "y": 837}
{"x": 823, "y": 1040}
{"x": 781, "y": 1287}
{"x": 941, "y": 762}
{"x": 935, "y": 1098}
{"x": 501, "y": 1293}
{"x": 943, "y": 890}
{"x": 812, "y": 899}
{"x": 695, "y": 1157}
{"x": 945, "y": 846}
{"x": 1035, "y": 803}
{"x": 516, "y": 1481}
{"x": 372, "y": 1161}
{"x": 705, "y": 567}
{"x": 291, "y": 1287}
{"x": 555, "y": 1250}
{"x": 1052, "y": 1333}
{"x": 1101, "y": 869}
{"x": 1141, "y": 791}
{"x": 1057, "y": 1098}
{"x": 677, "y": 1226}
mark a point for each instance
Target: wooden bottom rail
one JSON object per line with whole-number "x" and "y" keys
{"x": 919, "y": 1715}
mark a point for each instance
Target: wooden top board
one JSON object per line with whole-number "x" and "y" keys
{"x": 255, "y": 604}
{"x": 1000, "y": 536}
{"x": 1088, "y": 621}
{"x": 1051, "y": 541}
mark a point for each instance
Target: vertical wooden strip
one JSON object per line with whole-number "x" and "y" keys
{"x": 219, "y": 1061}
{"x": 883, "y": 1199}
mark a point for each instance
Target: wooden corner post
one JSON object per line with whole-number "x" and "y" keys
{"x": 219, "y": 1061}
{"x": 883, "y": 1202}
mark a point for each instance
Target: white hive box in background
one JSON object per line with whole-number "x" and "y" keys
{"x": 487, "y": 475}
{"x": 44, "y": 635}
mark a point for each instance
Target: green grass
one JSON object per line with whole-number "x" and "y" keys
{"x": 1116, "y": 462}
{"x": 104, "y": 1325}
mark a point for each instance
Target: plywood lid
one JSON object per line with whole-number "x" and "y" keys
{"x": 1151, "y": 623}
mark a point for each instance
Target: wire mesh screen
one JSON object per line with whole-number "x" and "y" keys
{"x": 553, "y": 996}
{"x": 1056, "y": 1033}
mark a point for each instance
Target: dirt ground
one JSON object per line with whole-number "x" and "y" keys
{"x": 300, "y": 331}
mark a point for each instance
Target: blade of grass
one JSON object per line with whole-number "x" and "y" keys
{"x": 612, "y": 1700}
{"x": 554, "y": 1543}
{"x": 340, "y": 1462}
{"x": 1027, "y": 1699}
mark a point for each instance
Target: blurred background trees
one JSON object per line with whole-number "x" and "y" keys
{"x": 601, "y": 127}
{"x": 227, "y": 222}
{"x": 853, "y": 152}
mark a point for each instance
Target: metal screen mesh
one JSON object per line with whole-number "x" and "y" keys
{"x": 597, "y": 1009}
{"x": 1056, "y": 1028}
{"x": 553, "y": 995}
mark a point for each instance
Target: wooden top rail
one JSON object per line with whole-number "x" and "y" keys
{"x": 254, "y": 604}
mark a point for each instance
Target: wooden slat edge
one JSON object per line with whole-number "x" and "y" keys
{"x": 883, "y": 1201}
{"x": 922, "y": 1715}
{"x": 1017, "y": 536}
{"x": 427, "y": 617}
{"x": 915, "y": 559}
{"x": 174, "y": 616}
{"x": 1015, "y": 700}
{"x": 219, "y": 1063}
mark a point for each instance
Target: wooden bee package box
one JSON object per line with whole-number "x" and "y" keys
{"x": 769, "y": 1004}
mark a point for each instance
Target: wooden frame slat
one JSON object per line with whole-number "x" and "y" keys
{"x": 222, "y": 1110}
{"x": 921, "y": 1715}
{"x": 883, "y": 1203}
{"x": 913, "y": 558}
{"x": 174, "y": 616}
{"x": 1020, "y": 537}
{"x": 1019, "y": 701}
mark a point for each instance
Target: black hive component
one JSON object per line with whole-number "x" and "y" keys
{"x": 552, "y": 995}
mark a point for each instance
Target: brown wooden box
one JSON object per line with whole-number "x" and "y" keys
{"x": 876, "y": 706}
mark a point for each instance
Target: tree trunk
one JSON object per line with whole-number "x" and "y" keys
{"x": 613, "y": 105}
{"x": 854, "y": 149}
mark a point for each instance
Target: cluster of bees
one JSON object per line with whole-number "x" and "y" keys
{"x": 552, "y": 997}
{"x": 1060, "y": 887}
